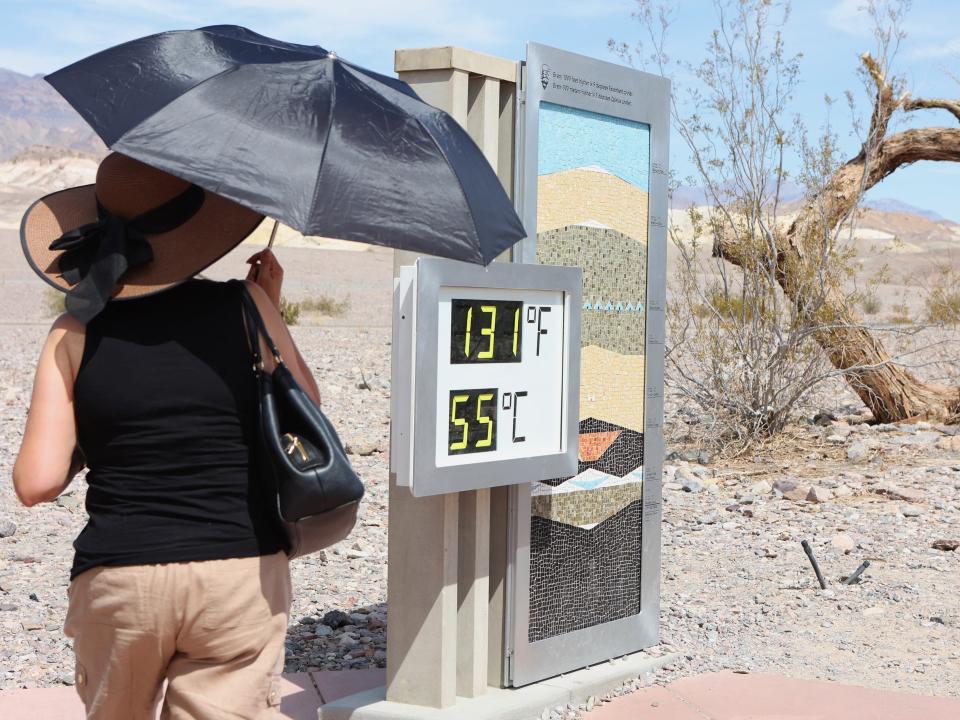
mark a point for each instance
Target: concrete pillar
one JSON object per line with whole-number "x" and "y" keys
{"x": 439, "y": 629}
{"x": 422, "y": 595}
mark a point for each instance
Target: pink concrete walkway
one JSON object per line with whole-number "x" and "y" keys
{"x": 718, "y": 696}
{"x": 303, "y": 693}
{"x": 730, "y": 696}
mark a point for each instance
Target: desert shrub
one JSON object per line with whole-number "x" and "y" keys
{"x": 290, "y": 311}
{"x": 870, "y": 303}
{"x": 727, "y": 305}
{"x": 738, "y": 348}
{"x": 943, "y": 296}
{"x": 325, "y": 305}
{"x": 901, "y": 314}
{"x": 54, "y": 301}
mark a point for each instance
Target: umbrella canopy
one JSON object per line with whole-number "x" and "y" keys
{"x": 298, "y": 134}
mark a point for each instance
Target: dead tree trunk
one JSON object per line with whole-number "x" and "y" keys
{"x": 888, "y": 389}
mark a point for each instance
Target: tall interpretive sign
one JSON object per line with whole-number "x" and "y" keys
{"x": 592, "y": 174}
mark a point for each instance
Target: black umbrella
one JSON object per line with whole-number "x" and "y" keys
{"x": 294, "y": 132}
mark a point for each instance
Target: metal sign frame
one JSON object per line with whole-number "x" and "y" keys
{"x": 415, "y": 359}
{"x": 526, "y": 662}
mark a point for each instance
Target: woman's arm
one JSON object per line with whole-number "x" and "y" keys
{"x": 281, "y": 336}
{"x": 49, "y": 457}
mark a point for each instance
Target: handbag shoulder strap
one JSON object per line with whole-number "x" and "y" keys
{"x": 256, "y": 327}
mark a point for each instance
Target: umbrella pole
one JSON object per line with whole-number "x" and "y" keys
{"x": 273, "y": 233}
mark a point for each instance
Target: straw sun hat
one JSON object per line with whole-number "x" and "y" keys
{"x": 137, "y": 226}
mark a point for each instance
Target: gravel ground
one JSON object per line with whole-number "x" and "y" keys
{"x": 738, "y": 591}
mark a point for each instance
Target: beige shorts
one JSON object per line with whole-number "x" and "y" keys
{"x": 213, "y": 629}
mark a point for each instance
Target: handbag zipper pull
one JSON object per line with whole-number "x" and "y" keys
{"x": 295, "y": 444}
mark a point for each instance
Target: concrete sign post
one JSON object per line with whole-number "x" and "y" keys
{"x": 490, "y": 513}
{"x": 440, "y": 572}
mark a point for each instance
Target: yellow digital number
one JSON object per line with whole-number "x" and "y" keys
{"x": 488, "y": 331}
{"x": 461, "y": 422}
{"x": 484, "y": 420}
{"x": 516, "y": 330}
{"x": 466, "y": 342}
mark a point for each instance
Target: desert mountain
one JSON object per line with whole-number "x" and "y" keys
{"x": 32, "y": 113}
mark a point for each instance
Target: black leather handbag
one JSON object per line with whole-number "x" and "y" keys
{"x": 318, "y": 491}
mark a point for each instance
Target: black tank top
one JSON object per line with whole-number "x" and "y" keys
{"x": 165, "y": 402}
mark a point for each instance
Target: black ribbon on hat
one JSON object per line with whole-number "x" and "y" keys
{"x": 97, "y": 254}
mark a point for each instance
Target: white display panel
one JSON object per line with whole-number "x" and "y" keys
{"x": 482, "y": 365}
{"x": 489, "y": 410}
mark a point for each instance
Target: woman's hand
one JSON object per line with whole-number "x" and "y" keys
{"x": 267, "y": 272}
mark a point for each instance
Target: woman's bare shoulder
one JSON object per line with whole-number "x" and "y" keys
{"x": 67, "y": 335}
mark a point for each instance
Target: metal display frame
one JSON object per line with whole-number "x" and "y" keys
{"x": 526, "y": 662}
{"x": 416, "y": 458}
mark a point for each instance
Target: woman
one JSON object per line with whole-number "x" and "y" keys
{"x": 180, "y": 573}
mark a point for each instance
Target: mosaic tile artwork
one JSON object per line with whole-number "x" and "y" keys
{"x": 591, "y": 195}
{"x": 594, "y": 444}
{"x": 585, "y": 576}
{"x": 592, "y": 207}
{"x": 614, "y": 279}
{"x": 622, "y": 456}
{"x": 585, "y": 507}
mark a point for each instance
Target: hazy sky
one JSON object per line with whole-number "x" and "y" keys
{"x": 41, "y": 35}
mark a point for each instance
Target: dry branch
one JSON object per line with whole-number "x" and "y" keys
{"x": 888, "y": 389}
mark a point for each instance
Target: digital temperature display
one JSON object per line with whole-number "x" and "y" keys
{"x": 473, "y": 421}
{"x": 486, "y": 361}
{"x": 486, "y": 331}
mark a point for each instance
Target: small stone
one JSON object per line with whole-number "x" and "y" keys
{"x": 308, "y": 620}
{"x": 692, "y": 485}
{"x": 840, "y": 429}
{"x": 819, "y": 494}
{"x": 946, "y": 545}
{"x": 843, "y": 542}
{"x": 824, "y": 418}
{"x": 950, "y": 444}
{"x": 784, "y": 486}
{"x": 7, "y": 607}
{"x": 872, "y": 612}
{"x": 761, "y": 487}
{"x": 68, "y": 501}
{"x": 911, "y": 511}
{"x": 7, "y": 528}
{"x": 31, "y": 625}
{"x": 336, "y": 619}
{"x": 321, "y": 630}
{"x": 362, "y": 448}
{"x": 709, "y": 519}
{"x": 67, "y": 678}
{"x": 906, "y": 494}
{"x": 673, "y": 486}
{"x": 857, "y": 451}
{"x": 836, "y": 439}
{"x": 800, "y": 492}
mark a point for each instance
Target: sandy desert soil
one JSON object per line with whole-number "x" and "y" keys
{"x": 737, "y": 589}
